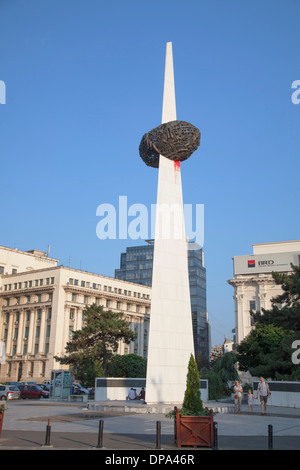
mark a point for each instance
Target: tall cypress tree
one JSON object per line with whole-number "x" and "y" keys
{"x": 192, "y": 403}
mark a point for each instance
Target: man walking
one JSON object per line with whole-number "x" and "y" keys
{"x": 264, "y": 393}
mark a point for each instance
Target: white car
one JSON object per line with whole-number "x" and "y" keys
{"x": 9, "y": 392}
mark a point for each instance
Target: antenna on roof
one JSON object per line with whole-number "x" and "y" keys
{"x": 48, "y": 251}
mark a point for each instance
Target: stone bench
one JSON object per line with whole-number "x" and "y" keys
{"x": 80, "y": 398}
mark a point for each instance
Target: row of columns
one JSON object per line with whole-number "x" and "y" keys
{"x": 242, "y": 310}
{"x": 21, "y": 325}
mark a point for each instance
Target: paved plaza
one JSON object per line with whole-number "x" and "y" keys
{"x": 75, "y": 426}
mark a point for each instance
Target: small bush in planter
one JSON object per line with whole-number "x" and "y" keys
{"x": 192, "y": 403}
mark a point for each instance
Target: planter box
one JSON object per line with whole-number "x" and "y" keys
{"x": 194, "y": 430}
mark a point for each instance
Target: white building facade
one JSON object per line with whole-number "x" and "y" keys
{"x": 253, "y": 284}
{"x": 41, "y": 304}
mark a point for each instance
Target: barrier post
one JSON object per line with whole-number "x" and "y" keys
{"x": 270, "y": 437}
{"x": 158, "y": 435}
{"x": 100, "y": 434}
{"x": 48, "y": 431}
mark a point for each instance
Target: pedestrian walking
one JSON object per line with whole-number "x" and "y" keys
{"x": 238, "y": 391}
{"x": 250, "y": 401}
{"x": 264, "y": 392}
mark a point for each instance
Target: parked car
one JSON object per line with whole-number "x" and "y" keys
{"x": 17, "y": 384}
{"x": 45, "y": 387}
{"x": 78, "y": 389}
{"x": 47, "y": 382}
{"x": 33, "y": 391}
{"x": 9, "y": 392}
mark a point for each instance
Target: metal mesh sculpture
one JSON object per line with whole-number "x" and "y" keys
{"x": 176, "y": 140}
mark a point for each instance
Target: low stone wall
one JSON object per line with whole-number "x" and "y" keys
{"x": 112, "y": 388}
{"x": 282, "y": 393}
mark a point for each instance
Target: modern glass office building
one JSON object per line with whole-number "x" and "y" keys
{"x": 136, "y": 266}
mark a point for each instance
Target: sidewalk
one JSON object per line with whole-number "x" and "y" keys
{"x": 74, "y": 427}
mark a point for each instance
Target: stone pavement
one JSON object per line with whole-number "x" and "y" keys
{"x": 76, "y": 427}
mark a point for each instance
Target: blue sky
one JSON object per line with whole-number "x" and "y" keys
{"x": 84, "y": 82}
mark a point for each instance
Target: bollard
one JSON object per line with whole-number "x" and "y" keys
{"x": 215, "y": 445}
{"x": 270, "y": 437}
{"x": 100, "y": 434}
{"x": 48, "y": 431}
{"x": 158, "y": 435}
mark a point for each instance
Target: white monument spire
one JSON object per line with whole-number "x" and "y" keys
{"x": 170, "y": 333}
{"x": 169, "y": 102}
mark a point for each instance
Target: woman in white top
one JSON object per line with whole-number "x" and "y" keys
{"x": 238, "y": 395}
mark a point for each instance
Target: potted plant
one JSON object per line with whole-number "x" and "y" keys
{"x": 193, "y": 424}
{"x": 2, "y": 409}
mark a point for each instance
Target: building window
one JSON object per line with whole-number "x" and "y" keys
{"x": 74, "y": 297}
{"x": 1, "y": 269}
{"x": 252, "y": 305}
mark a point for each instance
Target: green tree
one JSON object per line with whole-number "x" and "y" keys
{"x": 192, "y": 403}
{"x": 285, "y": 311}
{"x": 92, "y": 347}
{"x": 267, "y": 350}
{"x": 130, "y": 365}
{"x": 222, "y": 371}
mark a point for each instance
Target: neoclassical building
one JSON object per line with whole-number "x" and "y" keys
{"x": 41, "y": 304}
{"x": 253, "y": 284}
